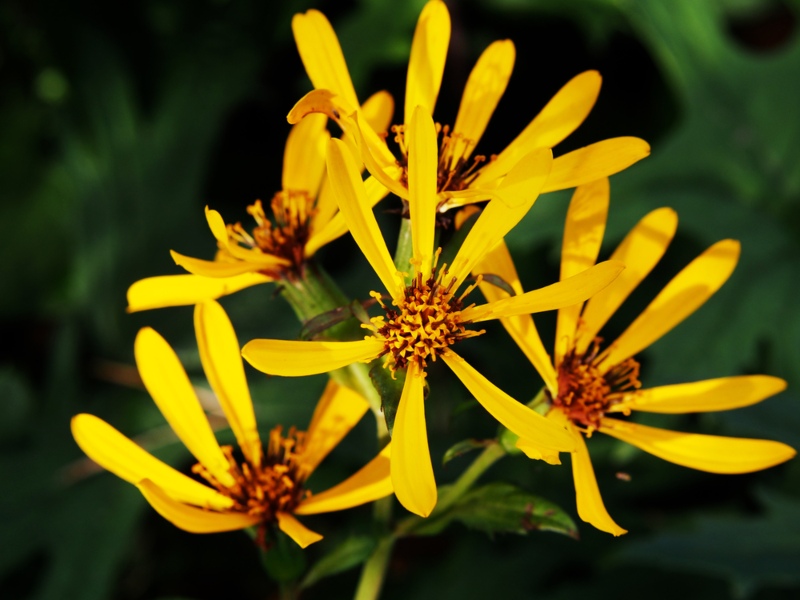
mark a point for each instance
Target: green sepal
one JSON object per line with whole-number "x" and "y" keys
{"x": 348, "y": 554}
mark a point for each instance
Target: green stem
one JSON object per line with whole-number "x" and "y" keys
{"x": 374, "y": 572}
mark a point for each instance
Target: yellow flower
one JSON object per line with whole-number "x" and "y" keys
{"x": 462, "y": 177}
{"x": 268, "y": 486}
{"x": 304, "y": 218}
{"x": 428, "y": 315}
{"x": 586, "y": 382}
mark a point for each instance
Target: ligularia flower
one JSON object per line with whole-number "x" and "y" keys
{"x": 427, "y": 314}
{"x": 268, "y": 486}
{"x": 461, "y": 176}
{"x": 588, "y": 381}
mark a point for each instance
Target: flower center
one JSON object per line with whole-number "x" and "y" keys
{"x": 426, "y": 322}
{"x": 585, "y": 393}
{"x": 274, "y": 486}
{"x": 287, "y": 236}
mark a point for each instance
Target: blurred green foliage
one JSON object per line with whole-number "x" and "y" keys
{"x": 119, "y": 123}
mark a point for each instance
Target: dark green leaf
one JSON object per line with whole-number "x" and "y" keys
{"x": 350, "y": 553}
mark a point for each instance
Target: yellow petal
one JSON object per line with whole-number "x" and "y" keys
{"x": 513, "y": 415}
{"x": 583, "y": 235}
{"x": 559, "y": 118}
{"x": 301, "y": 534}
{"x": 222, "y": 363}
{"x": 378, "y": 111}
{"x": 590, "y": 503}
{"x": 183, "y": 290}
{"x": 537, "y": 452}
{"x": 337, "y": 412}
{"x": 595, "y": 161}
{"x": 304, "y": 155}
{"x": 217, "y": 226}
{"x": 380, "y": 162}
{"x": 423, "y": 160}
{"x": 564, "y": 293}
{"x": 189, "y": 518}
{"x": 349, "y": 190}
{"x": 724, "y": 393}
{"x": 504, "y": 212}
{"x": 485, "y": 87}
{"x": 322, "y": 55}
{"x": 291, "y": 358}
{"x": 428, "y": 55}
{"x": 687, "y": 292}
{"x": 710, "y": 453}
{"x": 371, "y": 482}
{"x": 168, "y": 384}
{"x": 220, "y": 269}
{"x": 641, "y": 250}
{"x": 521, "y": 328}
{"x": 411, "y": 468}
{"x": 113, "y": 451}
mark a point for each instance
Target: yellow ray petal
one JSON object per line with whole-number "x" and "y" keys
{"x": 378, "y": 111}
{"x": 322, "y": 55}
{"x": 113, "y": 451}
{"x": 381, "y": 166}
{"x": 641, "y": 250}
{"x": 521, "y": 328}
{"x": 183, "y": 290}
{"x": 428, "y": 55}
{"x": 516, "y": 196}
{"x": 168, "y": 384}
{"x": 301, "y": 534}
{"x": 710, "y": 453}
{"x": 485, "y": 87}
{"x": 687, "y": 292}
{"x": 222, "y": 363}
{"x": 189, "y": 518}
{"x": 590, "y": 503}
{"x": 513, "y": 415}
{"x": 217, "y": 226}
{"x": 423, "y": 159}
{"x": 411, "y": 468}
{"x": 337, "y": 412}
{"x": 369, "y": 483}
{"x": 349, "y": 190}
{"x": 595, "y": 161}
{"x": 583, "y": 235}
{"x": 538, "y": 452}
{"x": 564, "y": 293}
{"x": 559, "y": 118}
{"x": 724, "y": 393}
{"x": 304, "y": 155}
{"x": 220, "y": 269}
{"x": 291, "y": 358}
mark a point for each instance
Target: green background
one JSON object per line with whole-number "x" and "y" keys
{"x": 118, "y": 125}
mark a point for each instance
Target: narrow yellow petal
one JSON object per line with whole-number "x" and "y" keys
{"x": 590, "y": 503}
{"x": 513, "y": 415}
{"x": 423, "y": 160}
{"x": 411, "y": 468}
{"x": 291, "y": 358}
{"x": 304, "y": 155}
{"x": 485, "y": 87}
{"x": 369, "y": 483}
{"x": 224, "y": 269}
{"x": 537, "y": 452}
{"x": 351, "y": 195}
{"x": 217, "y": 226}
{"x": 559, "y": 118}
{"x": 593, "y": 162}
{"x": 503, "y": 212}
{"x": 641, "y": 250}
{"x": 428, "y": 55}
{"x": 322, "y": 55}
{"x": 564, "y": 293}
{"x": 168, "y": 384}
{"x": 583, "y": 235}
{"x": 116, "y": 453}
{"x": 521, "y": 328}
{"x": 337, "y": 412}
{"x": 301, "y": 534}
{"x": 222, "y": 363}
{"x": 189, "y": 518}
{"x": 687, "y": 292}
{"x": 382, "y": 166}
{"x": 183, "y": 290}
{"x": 710, "y": 453}
{"x": 378, "y": 111}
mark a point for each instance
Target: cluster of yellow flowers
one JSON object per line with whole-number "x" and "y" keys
{"x": 427, "y": 306}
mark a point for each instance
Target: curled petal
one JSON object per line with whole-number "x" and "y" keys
{"x": 304, "y": 155}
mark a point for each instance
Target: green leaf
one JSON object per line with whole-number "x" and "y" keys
{"x": 463, "y": 447}
{"x": 350, "y": 553}
{"x": 285, "y": 561}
